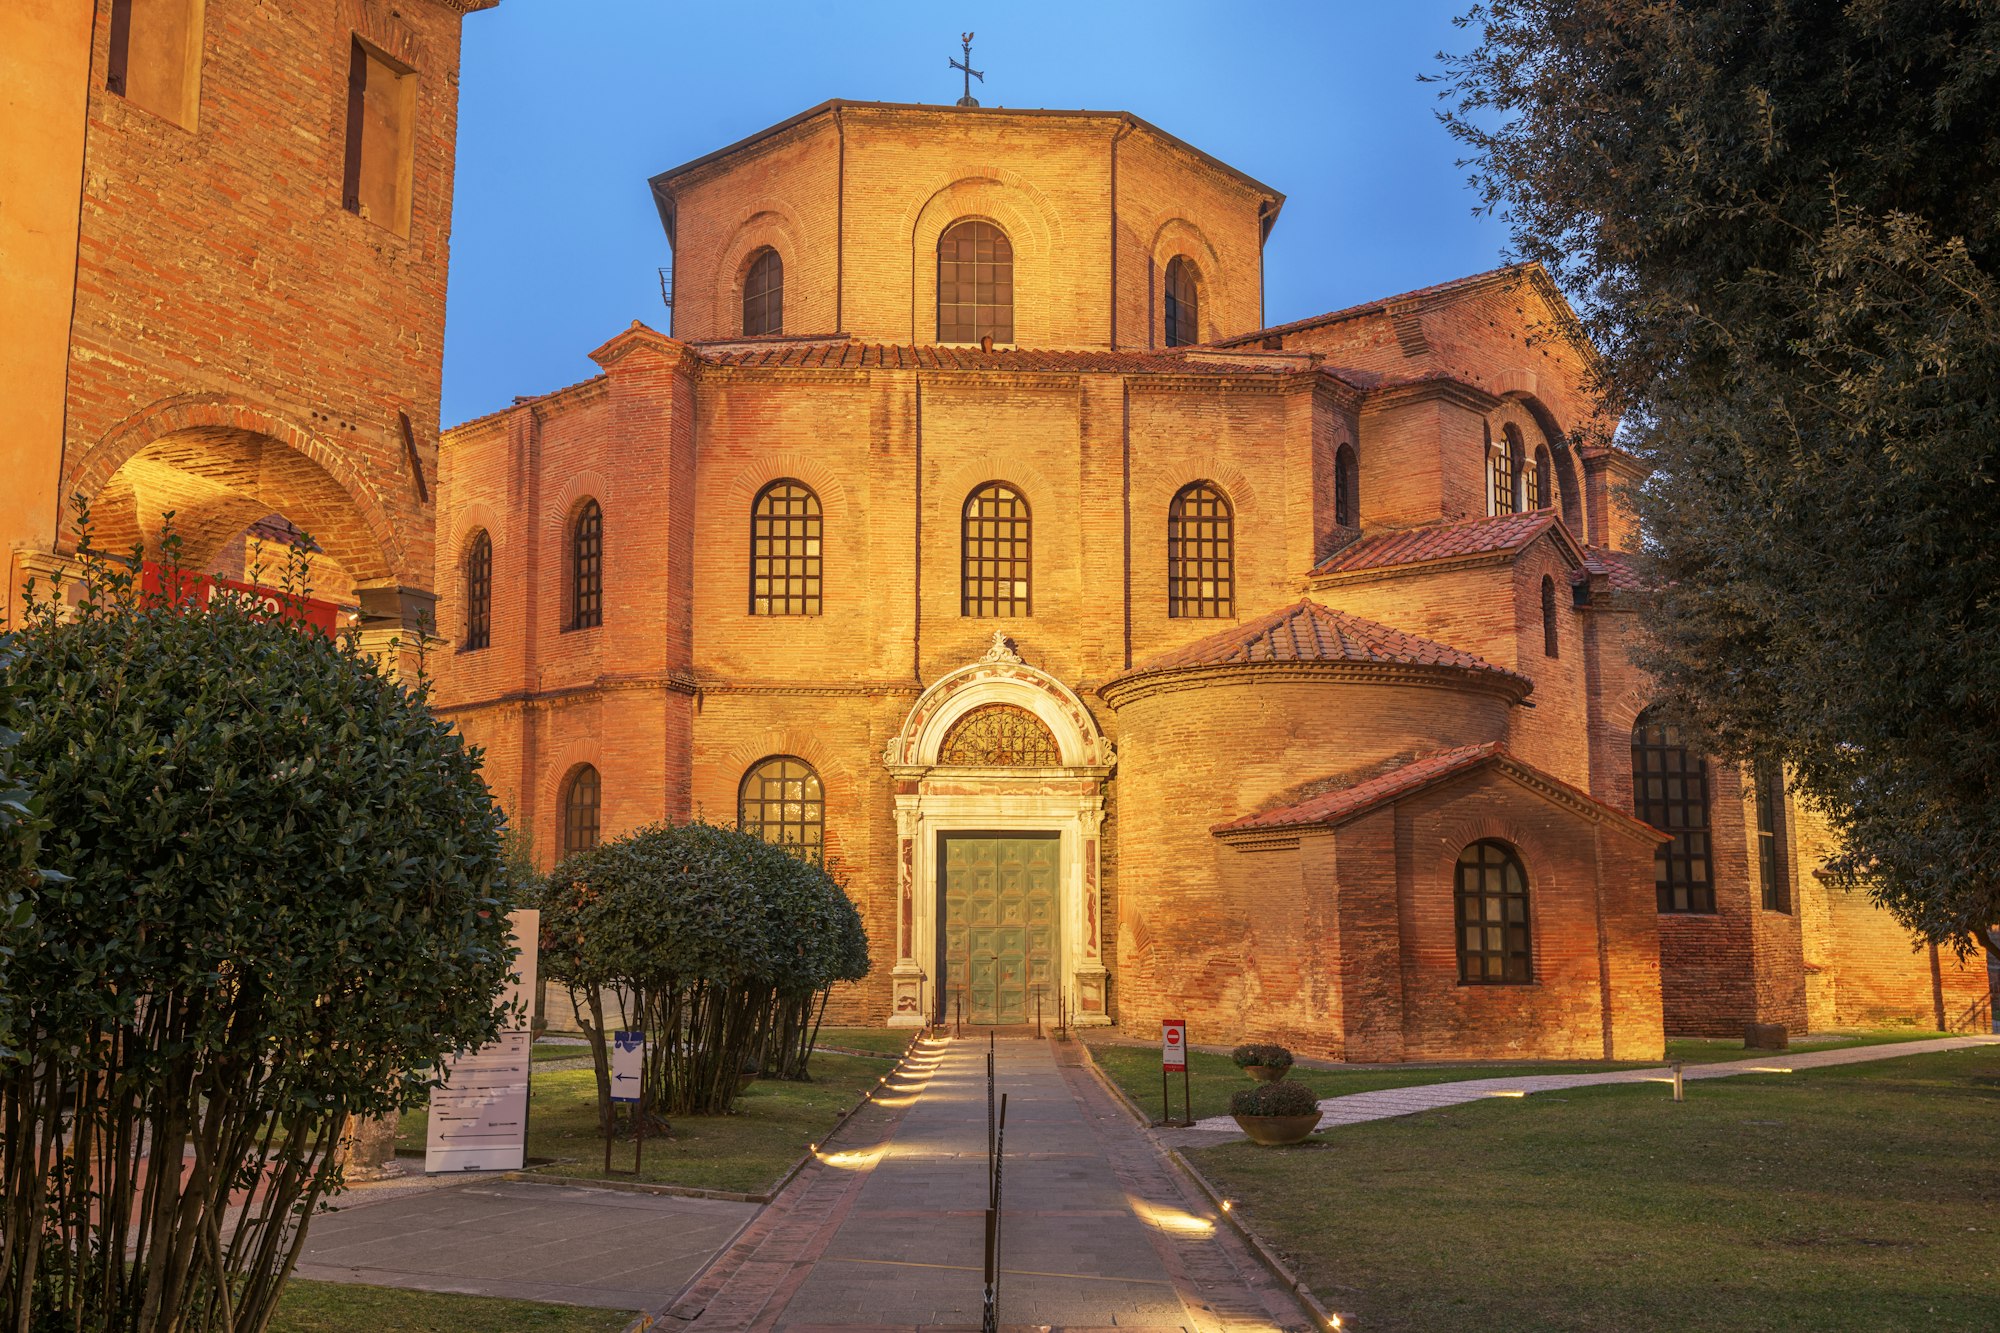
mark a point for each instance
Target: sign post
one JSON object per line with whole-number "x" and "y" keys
{"x": 628, "y": 1081}
{"x": 479, "y": 1118}
{"x": 1173, "y": 1059}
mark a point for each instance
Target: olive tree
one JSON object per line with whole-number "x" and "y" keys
{"x": 279, "y": 905}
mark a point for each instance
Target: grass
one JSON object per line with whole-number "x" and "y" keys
{"x": 1708, "y": 1050}
{"x": 337, "y": 1307}
{"x": 555, "y": 1050}
{"x": 876, "y": 1041}
{"x": 1864, "y": 1196}
{"x": 743, "y": 1153}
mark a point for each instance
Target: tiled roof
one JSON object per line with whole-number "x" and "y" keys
{"x": 1439, "y": 541}
{"x": 1345, "y": 803}
{"x": 886, "y": 356}
{"x": 1617, "y": 568}
{"x": 1372, "y": 307}
{"x": 1309, "y": 632}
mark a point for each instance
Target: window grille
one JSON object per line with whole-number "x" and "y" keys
{"x": 1773, "y": 865}
{"x": 479, "y": 592}
{"x": 1001, "y": 736}
{"x": 1346, "y": 485}
{"x": 785, "y": 551}
{"x": 1494, "y": 946}
{"x": 587, "y": 567}
{"x": 1201, "y": 554}
{"x": 1506, "y": 473}
{"x": 975, "y": 285}
{"x": 580, "y": 811}
{"x": 781, "y": 801}
{"x": 1549, "y": 643}
{"x": 994, "y": 571}
{"x": 1183, "y": 304}
{"x": 764, "y": 294}
{"x": 1542, "y": 480}
{"x": 1670, "y": 792}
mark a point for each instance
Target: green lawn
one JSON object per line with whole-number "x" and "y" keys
{"x": 877, "y": 1041}
{"x": 556, "y": 1050}
{"x": 745, "y": 1152}
{"x": 1861, "y": 1197}
{"x": 336, "y": 1307}
{"x": 1709, "y": 1050}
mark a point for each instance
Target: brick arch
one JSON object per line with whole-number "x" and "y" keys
{"x": 955, "y": 486}
{"x": 1154, "y": 484}
{"x": 999, "y": 196}
{"x": 742, "y": 489}
{"x": 1177, "y": 236}
{"x": 254, "y": 459}
{"x": 586, "y": 485}
{"x": 572, "y": 755}
{"x": 1569, "y": 485}
{"x": 776, "y": 227}
{"x": 835, "y": 772}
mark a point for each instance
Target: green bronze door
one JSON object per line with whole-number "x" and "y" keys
{"x": 999, "y": 937}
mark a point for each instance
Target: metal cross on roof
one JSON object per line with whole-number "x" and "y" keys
{"x": 970, "y": 72}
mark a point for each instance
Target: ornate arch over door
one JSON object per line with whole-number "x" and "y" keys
{"x": 999, "y": 752}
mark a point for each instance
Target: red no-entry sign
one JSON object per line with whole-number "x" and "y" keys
{"x": 1173, "y": 1045}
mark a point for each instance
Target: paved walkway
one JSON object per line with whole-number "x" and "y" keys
{"x": 1356, "y": 1107}
{"x": 886, "y": 1230}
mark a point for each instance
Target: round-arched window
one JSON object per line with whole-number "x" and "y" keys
{"x": 1346, "y": 488}
{"x": 580, "y": 810}
{"x": 478, "y": 592}
{"x": 764, "y": 294}
{"x": 1670, "y": 792}
{"x": 975, "y": 284}
{"x": 996, "y": 553}
{"x": 1494, "y": 945}
{"x": 781, "y": 800}
{"x": 586, "y": 567}
{"x": 1183, "y": 303}
{"x": 785, "y": 550}
{"x": 1201, "y": 553}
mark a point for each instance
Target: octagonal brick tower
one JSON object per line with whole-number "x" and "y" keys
{"x": 853, "y": 198}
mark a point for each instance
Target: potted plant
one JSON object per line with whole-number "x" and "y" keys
{"x": 1266, "y": 1064}
{"x": 747, "y": 1072}
{"x": 1276, "y": 1113}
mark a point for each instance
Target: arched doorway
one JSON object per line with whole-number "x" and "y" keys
{"x": 1000, "y": 773}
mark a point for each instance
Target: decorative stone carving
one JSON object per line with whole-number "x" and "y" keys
{"x": 1002, "y": 649}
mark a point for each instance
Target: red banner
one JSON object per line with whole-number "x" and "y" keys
{"x": 198, "y": 590}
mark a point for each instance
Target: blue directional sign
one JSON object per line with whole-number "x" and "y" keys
{"x": 628, "y": 1062}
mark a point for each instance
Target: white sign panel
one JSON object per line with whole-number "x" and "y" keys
{"x": 1173, "y": 1045}
{"x": 628, "y": 1065}
{"x": 479, "y": 1118}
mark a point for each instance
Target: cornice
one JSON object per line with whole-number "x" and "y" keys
{"x": 669, "y": 682}
{"x": 1168, "y": 680}
{"x": 1439, "y": 388}
{"x": 710, "y": 685}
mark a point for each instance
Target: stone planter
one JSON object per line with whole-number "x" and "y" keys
{"x": 1265, "y": 1073}
{"x": 1274, "y": 1131}
{"x": 744, "y": 1081}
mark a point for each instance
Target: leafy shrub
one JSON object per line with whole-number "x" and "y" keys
{"x": 1271, "y": 1057}
{"x": 1281, "y": 1098}
{"x": 278, "y": 910}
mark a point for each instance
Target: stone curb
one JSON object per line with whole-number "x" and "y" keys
{"x": 1110, "y": 1085}
{"x": 1328, "y": 1321}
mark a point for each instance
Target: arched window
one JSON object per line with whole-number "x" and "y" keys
{"x": 478, "y": 592}
{"x": 1542, "y": 480}
{"x": 764, "y": 294}
{"x": 994, "y": 566}
{"x": 784, "y": 551}
{"x": 1000, "y": 735}
{"x": 580, "y": 811}
{"x": 781, "y": 801}
{"x": 1183, "y": 303}
{"x": 1346, "y": 488}
{"x": 975, "y": 286}
{"x": 1549, "y": 644}
{"x": 1670, "y": 792}
{"x": 1494, "y": 945}
{"x": 1774, "y": 871}
{"x": 1201, "y": 554}
{"x": 586, "y": 567}
{"x": 1506, "y": 468}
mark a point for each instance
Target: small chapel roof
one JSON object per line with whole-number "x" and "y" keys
{"x": 1308, "y": 632}
{"x": 1487, "y": 535}
{"x": 1380, "y": 304}
{"x": 1345, "y": 803}
{"x": 1617, "y": 568}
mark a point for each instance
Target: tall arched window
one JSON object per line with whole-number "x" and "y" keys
{"x": 784, "y": 550}
{"x": 780, "y": 800}
{"x": 1506, "y": 468}
{"x": 580, "y": 802}
{"x": 478, "y": 592}
{"x": 1670, "y": 792}
{"x": 994, "y": 574}
{"x": 1774, "y": 871}
{"x": 1494, "y": 944}
{"x": 1346, "y": 488}
{"x": 1201, "y": 554}
{"x": 1542, "y": 480}
{"x": 975, "y": 284}
{"x": 586, "y": 567}
{"x": 1183, "y": 303}
{"x": 764, "y": 294}
{"x": 1549, "y": 643}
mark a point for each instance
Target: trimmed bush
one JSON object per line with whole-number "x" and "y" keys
{"x": 1270, "y": 1057}
{"x": 1282, "y": 1098}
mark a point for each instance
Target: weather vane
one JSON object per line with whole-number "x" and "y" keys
{"x": 970, "y": 72}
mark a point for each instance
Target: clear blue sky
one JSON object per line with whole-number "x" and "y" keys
{"x": 567, "y": 106}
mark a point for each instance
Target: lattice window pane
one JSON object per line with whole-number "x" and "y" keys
{"x": 1000, "y": 735}
{"x": 1346, "y": 482}
{"x": 479, "y": 593}
{"x": 975, "y": 284}
{"x": 1670, "y": 792}
{"x": 764, "y": 294}
{"x": 587, "y": 568}
{"x": 1506, "y": 468}
{"x": 1201, "y": 554}
{"x": 1773, "y": 867}
{"x": 785, "y": 551}
{"x": 1495, "y": 945}
{"x": 781, "y": 801}
{"x": 1183, "y": 324}
{"x": 995, "y": 572}
{"x": 580, "y": 811}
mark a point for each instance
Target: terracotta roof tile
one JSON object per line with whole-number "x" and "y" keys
{"x": 889, "y": 356}
{"x": 1309, "y": 632}
{"x": 1344, "y": 803}
{"x": 1372, "y": 307}
{"x": 1439, "y": 541}
{"x": 1617, "y": 568}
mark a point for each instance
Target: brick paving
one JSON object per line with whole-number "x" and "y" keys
{"x": 1357, "y": 1107}
{"x": 886, "y": 1229}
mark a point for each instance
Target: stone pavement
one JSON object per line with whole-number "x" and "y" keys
{"x": 1356, "y": 1107}
{"x": 597, "y": 1247}
{"x": 886, "y": 1228}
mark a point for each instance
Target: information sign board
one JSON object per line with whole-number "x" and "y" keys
{"x": 628, "y": 1065}
{"x": 1173, "y": 1046}
{"x": 479, "y": 1118}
